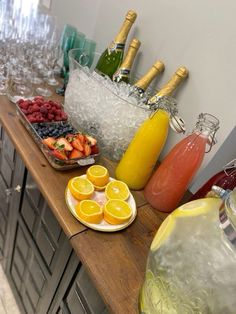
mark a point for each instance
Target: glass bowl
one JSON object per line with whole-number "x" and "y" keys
{"x": 101, "y": 107}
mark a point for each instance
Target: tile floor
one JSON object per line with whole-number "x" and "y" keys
{"x": 7, "y": 301}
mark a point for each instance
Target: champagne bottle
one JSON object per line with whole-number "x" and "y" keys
{"x": 123, "y": 72}
{"x": 168, "y": 89}
{"x": 142, "y": 84}
{"x": 112, "y": 57}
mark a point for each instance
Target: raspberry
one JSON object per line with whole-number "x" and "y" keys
{"x": 63, "y": 116}
{"x": 20, "y": 101}
{"x": 35, "y": 108}
{"x": 58, "y": 118}
{"x": 30, "y": 109}
{"x": 58, "y": 106}
{"x": 24, "y": 111}
{"x": 38, "y": 98}
{"x": 50, "y": 116}
{"x": 47, "y": 105}
{"x": 43, "y": 110}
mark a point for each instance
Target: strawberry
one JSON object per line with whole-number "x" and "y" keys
{"x": 77, "y": 144}
{"x": 94, "y": 150}
{"x": 62, "y": 143}
{"x": 75, "y": 154}
{"x": 81, "y": 138}
{"x": 91, "y": 140}
{"x": 49, "y": 142}
{"x": 87, "y": 150}
{"x": 59, "y": 154}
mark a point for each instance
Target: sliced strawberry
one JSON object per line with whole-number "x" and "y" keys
{"x": 91, "y": 140}
{"x": 49, "y": 142}
{"x": 94, "y": 150}
{"x": 59, "y": 154}
{"x": 82, "y": 138}
{"x": 62, "y": 143}
{"x": 75, "y": 154}
{"x": 70, "y": 137}
{"x": 87, "y": 150}
{"x": 77, "y": 144}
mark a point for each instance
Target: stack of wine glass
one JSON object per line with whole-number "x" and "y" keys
{"x": 29, "y": 48}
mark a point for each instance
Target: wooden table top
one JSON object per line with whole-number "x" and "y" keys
{"x": 115, "y": 261}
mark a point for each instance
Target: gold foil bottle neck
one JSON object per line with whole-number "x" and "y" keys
{"x": 131, "y": 53}
{"x": 131, "y": 16}
{"x": 159, "y": 66}
{"x": 144, "y": 81}
{"x": 135, "y": 43}
{"x": 182, "y": 72}
{"x": 167, "y": 90}
{"x": 125, "y": 28}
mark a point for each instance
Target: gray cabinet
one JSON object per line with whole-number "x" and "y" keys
{"x": 44, "y": 272}
{"x": 77, "y": 294}
{"x": 41, "y": 252}
{"x": 11, "y": 181}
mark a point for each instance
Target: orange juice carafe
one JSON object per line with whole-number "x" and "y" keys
{"x": 138, "y": 161}
{"x": 168, "y": 184}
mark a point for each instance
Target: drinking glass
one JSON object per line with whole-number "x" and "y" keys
{"x": 89, "y": 49}
{"x": 18, "y": 83}
{"x": 71, "y": 42}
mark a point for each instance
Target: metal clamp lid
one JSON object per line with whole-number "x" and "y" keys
{"x": 230, "y": 167}
{"x": 177, "y": 124}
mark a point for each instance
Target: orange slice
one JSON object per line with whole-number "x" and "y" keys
{"x": 117, "y": 190}
{"x": 98, "y": 175}
{"x": 89, "y": 211}
{"x": 81, "y": 188}
{"x": 117, "y": 212}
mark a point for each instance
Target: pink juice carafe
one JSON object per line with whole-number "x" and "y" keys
{"x": 226, "y": 179}
{"x": 168, "y": 184}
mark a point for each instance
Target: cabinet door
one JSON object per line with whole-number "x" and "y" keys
{"x": 41, "y": 252}
{"x": 77, "y": 293}
{"x": 11, "y": 181}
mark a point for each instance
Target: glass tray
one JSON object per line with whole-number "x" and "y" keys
{"x": 56, "y": 163}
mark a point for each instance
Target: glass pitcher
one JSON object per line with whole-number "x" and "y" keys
{"x": 191, "y": 265}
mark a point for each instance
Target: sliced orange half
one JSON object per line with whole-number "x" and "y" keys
{"x": 117, "y": 190}
{"x": 98, "y": 175}
{"x": 89, "y": 211}
{"x": 81, "y": 188}
{"x": 117, "y": 212}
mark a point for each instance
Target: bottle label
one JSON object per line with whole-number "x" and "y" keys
{"x": 114, "y": 47}
{"x": 120, "y": 74}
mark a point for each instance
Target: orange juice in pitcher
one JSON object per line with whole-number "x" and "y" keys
{"x": 141, "y": 155}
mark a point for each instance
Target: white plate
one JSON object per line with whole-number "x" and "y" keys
{"x": 100, "y": 197}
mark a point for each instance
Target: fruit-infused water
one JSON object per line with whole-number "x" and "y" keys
{"x": 191, "y": 266}
{"x": 170, "y": 181}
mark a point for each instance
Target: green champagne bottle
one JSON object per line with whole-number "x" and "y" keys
{"x": 123, "y": 72}
{"x": 112, "y": 57}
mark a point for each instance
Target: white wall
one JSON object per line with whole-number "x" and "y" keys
{"x": 198, "y": 34}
